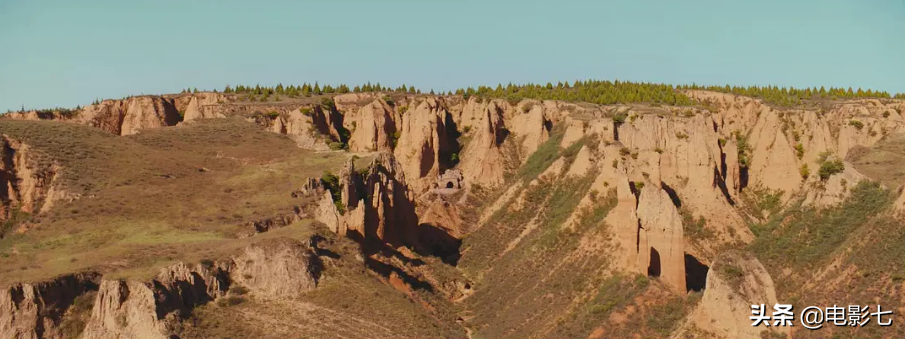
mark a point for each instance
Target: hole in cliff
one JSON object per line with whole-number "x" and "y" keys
{"x": 715, "y": 126}
{"x": 723, "y": 166}
{"x": 653, "y": 270}
{"x": 718, "y": 181}
{"x": 449, "y": 185}
{"x": 742, "y": 178}
{"x": 501, "y": 136}
{"x": 695, "y": 273}
{"x": 638, "y": 238}
{"x": 672, "y": 194}
{"x": 615, "y": 130}
{"x": 437, "y": 242}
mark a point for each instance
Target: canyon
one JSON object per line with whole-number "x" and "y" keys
{"x": 392, "y": 214}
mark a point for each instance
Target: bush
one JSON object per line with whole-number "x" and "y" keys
{"x": 327, "y": 102}
{"x": 829, "y": 165}
{"x": 619, "y": 118}
{"x": 273, "y": 114}
{"x": 799, "y": 151}
{"x": 805, "y": 172}
{"x": 886, "y": 114}
{"x": 337, "y": 146}
{"x": 624, "y": 151}
{"x": 857, "y": 124}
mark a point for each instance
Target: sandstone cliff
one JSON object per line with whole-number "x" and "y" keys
{"x": 660, "y": 240}
{"x": 26, "y": 184}
{"x": 279, "y": 268}
{"x": 35, "y": 311}
{"x": 373, "y": 127}
{"x": 130, "y": 116}
{"x": 736, "y": 282}
{"x": 203, "y": 106}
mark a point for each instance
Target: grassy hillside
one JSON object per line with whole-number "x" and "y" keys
{"x": 165, "y": 195}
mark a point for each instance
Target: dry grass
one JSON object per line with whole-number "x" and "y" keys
{"x": 349, "y": 302}
{"x": 161, "y": 196}
{"x": 883, "y": 161}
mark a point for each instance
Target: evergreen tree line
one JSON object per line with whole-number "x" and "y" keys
{"x": 793, "y": 96}
{"x": 593, "y": 91}
{"x": 316, "y": 89}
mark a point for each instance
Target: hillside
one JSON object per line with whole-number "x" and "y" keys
{"x": 613, "y": 211}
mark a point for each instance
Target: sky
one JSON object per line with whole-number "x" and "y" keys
{"x": 63, "y": 53}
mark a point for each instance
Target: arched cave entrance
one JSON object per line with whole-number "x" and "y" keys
{"x": 653, "y": 270}
{"x": 695, "y": 273}
{"x": 449, "y": 184}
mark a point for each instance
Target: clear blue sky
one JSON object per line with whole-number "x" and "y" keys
{"x": 66, "y": 53}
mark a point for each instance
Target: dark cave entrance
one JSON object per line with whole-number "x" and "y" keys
{"x": 695, "y": 273}
{"x": 450, "y": 185}
{"x": 653, "y": 269}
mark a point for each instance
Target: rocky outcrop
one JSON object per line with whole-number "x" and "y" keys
{"x": 300, "y": 128}
{"x": 735, "y": 282}
{"x": 277, "y": 269}
{"x": 130, "y": 116}
{"x": 36, "y": 311}
{"x": 835, "y": 190}
{"x": 372, "y": 127}
{"x": 660, "y": 239}
{"x": 483, "y": 160}
{"x": 532, "y": 125}
{"x": 380, "y": 207}
{"x": 424, "y": 145}
{"x": 25, "y": 182}
{"x": 131, "y": 309}
{"x": 203, "y": 106}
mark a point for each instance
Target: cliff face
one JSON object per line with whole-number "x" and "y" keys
{"x": 130, "y": 116}
{"x": 279, "y": 268}
{"x": 660, "y": 240}
{"x": 26, "y": 184}
{"x": 33, "y": 311}
{"x": 737, "y": 282}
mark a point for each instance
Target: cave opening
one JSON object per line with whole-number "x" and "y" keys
{"x": 653, "y": 269}
{"x": 695, "y": 273}
{"x": 449, "y": 184}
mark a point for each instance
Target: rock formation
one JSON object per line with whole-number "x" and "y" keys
{"x": 424, "y": 146}
{"x": 25, "y": 182}
{"x": 378, "y": 206}
{"x": 203, "y": 106}
{"x": 34, "y": 311}
{"x": 130, "y": 116}
{"x": 280, "y": 268}
{"x": 735, "y": 282}
{"x": 483, "y": 160}
{"x": 660, "y": 240}
{"x": 373, "y": 128}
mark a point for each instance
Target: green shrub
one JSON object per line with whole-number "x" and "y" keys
{"x": 799, "y": 151}
{"x": 619, "y": 118}
{"x": 829, "y": 165}
{"x": 624, "y": 151}
{"x": 805, "y": 172}
{"x": 857, "y": 124}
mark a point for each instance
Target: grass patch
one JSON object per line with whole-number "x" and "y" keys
{"x": 805, "y": 237}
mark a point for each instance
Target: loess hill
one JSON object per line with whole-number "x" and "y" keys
{"x": 395, "y": 214}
